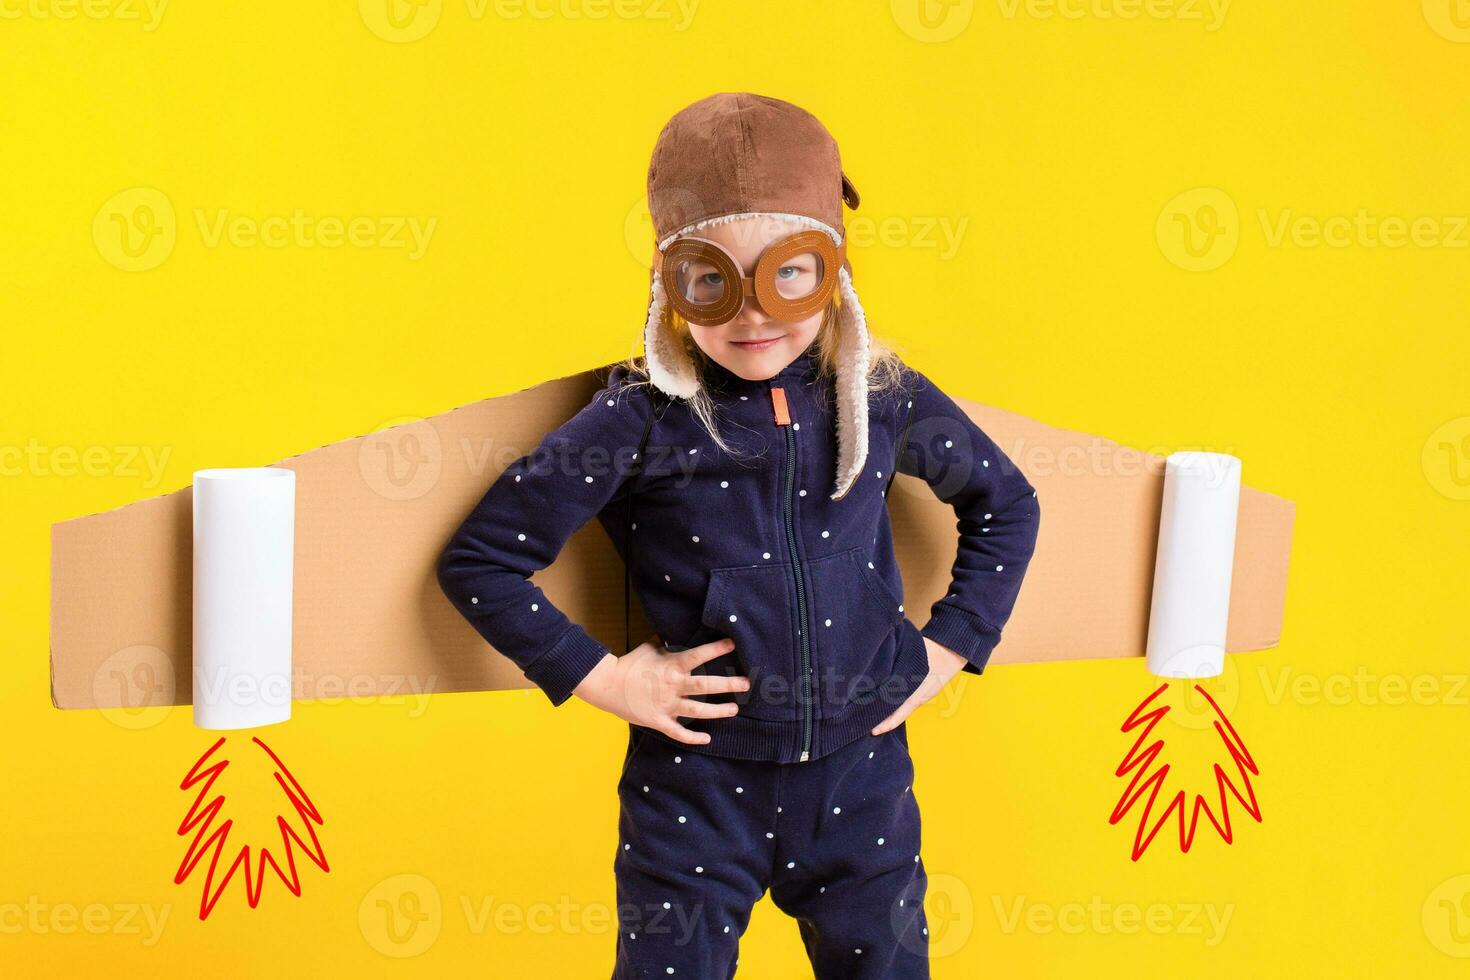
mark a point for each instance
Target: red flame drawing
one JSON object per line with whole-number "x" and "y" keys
{"x": 203, "y": 815}
{"x": 1144, "y": 781}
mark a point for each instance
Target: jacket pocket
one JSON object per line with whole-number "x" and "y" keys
{"x": 755, "y": 605}
{"x": 854, "y": 613}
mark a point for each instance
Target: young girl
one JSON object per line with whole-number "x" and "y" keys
{"x": 766, "y": 748}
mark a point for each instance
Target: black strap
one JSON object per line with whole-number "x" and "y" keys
{"x": 628, "y": 527}
{"x": 902, "y": 445}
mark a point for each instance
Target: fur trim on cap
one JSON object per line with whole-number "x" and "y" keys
{"x": 672, "y": 369}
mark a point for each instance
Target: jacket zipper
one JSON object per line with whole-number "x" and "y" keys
{"x": 783, "y": 421}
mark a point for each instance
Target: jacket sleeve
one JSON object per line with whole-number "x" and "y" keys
{"x": 998, "y": 513}
{"x": 521, "y": 524}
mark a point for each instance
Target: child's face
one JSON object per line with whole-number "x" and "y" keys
{"x": 781, "y": 341}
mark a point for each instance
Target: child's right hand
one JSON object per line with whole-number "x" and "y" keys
{"x": 649, "y": 686}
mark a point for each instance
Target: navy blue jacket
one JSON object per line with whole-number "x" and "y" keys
{"x": 753, "y": 547}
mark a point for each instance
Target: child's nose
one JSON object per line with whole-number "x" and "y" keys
{"x": 752, "y": 313}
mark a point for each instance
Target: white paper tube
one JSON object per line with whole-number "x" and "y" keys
{"x": 1190, "y": 608}
{"x": 244, "y": 530}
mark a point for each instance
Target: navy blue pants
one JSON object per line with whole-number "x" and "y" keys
{"x": 836, "y": 840}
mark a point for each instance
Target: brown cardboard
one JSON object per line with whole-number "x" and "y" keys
{"x": 374, "y": 512}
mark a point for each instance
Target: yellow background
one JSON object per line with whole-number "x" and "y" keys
{"x": 1067, "y": 149}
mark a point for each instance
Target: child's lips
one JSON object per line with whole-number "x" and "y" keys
{"x": 755, "y": 345}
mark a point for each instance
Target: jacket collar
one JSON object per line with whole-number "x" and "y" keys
{"x": 800, "y": 371}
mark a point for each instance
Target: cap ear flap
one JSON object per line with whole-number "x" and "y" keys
{"x": 852, "y": 389}
{"x": 670, "y": 367}
{"x": 849, "y": 193}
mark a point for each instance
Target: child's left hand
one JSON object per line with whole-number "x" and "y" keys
{"x": 944, "y": 664}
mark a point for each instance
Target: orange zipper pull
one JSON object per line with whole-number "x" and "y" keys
{"x": 778, "y": 404}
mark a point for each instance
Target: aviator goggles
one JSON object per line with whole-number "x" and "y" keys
{"x": 794, "y": 277}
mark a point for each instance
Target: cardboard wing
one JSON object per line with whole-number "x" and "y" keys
{"x": 373, "y": 513}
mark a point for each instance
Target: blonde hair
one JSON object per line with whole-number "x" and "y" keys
{"x": 885, "y": 367}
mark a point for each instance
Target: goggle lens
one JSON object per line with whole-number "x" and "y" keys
{"x": 700, "y": 283}
{"x": 800, "y": 276}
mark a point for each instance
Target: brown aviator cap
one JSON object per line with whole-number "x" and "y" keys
{"x": 737, "y": 153}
